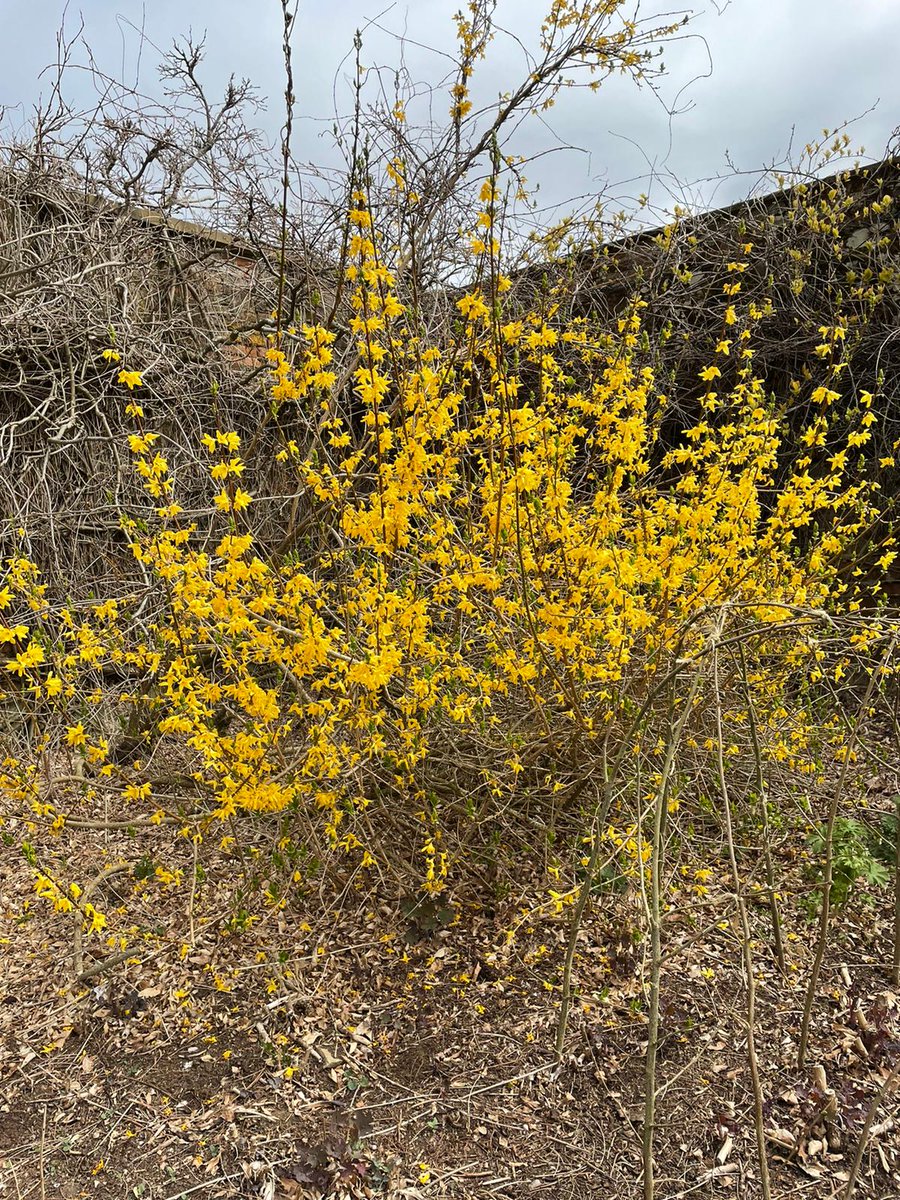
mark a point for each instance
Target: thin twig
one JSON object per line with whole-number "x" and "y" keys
{"x": 828, "y": 868}
{"x": 888, "y": 1084}
{"x": 655, "y": 922}
{"x": 746, "y": 946}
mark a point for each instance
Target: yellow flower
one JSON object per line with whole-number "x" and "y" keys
{"x": 75, "y": 735}
{"x": 97, "y": 920}
{"x": 472, "y": 306}
{"x": 141, "y": 444}
{"x": 131, "y": 379}
{"x": 112, "y": 356}
{"x": 136, "y": 791}
{"x": 31, "y": 656}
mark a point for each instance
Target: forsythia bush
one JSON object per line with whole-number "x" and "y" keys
{"x": 513, "y": 578}
{"x": 509, "y": 559}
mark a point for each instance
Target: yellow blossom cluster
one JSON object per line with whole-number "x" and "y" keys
{"x": 511, "y": 543}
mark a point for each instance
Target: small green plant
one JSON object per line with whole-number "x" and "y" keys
{"x": 856, "y": 858}
{"x": 144, "y": 868}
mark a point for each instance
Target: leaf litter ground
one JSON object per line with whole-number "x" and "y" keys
{"x": 353, "y": 1044}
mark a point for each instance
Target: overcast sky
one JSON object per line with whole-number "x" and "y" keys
{"x": 749, "y": 81}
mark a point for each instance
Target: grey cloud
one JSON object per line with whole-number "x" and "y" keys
{"x": 777, "y": 64}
